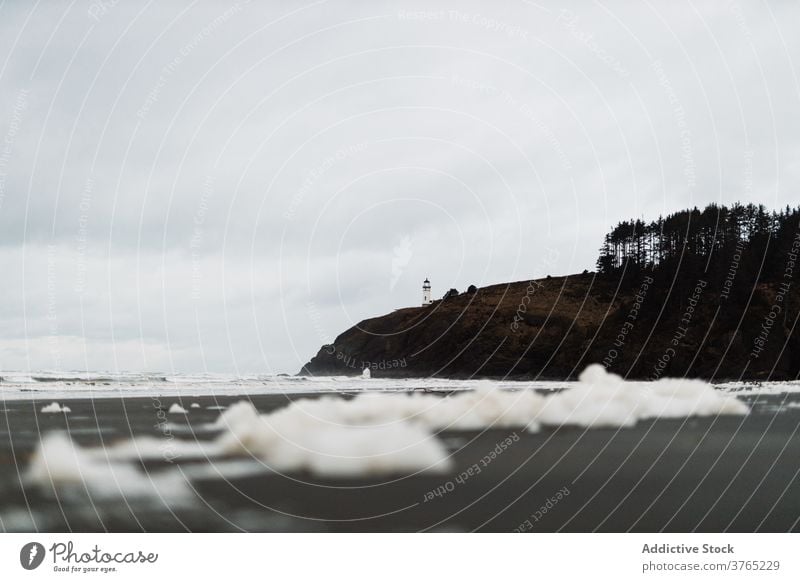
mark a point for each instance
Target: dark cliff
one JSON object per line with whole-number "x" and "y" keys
{"x": 552, "y": 328}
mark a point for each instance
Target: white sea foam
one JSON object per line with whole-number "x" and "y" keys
{"x": 291, "y": 439}
{"x": 598, "y": 399}
{"x": 54, "y": 408}
{"x": 58, "y": 463}
{"x": 177, "y": 409}
{"x": 374, "y": 433}
{"x": 483, "y": 408}
{"x": 322, "y": 441}
{"x": 239, "y": 414}
{"x": 604, "y": 399}
{"x": 390, "y": 433}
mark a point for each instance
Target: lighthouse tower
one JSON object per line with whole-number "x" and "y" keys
{"x": 426, "y": 293}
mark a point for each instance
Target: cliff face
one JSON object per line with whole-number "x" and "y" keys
{"x": 552, "y": 328}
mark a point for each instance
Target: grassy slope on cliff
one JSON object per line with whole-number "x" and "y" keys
{"x": 553, "y": 328}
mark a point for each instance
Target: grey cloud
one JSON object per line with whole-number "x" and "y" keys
{"x": 239, "y": 176}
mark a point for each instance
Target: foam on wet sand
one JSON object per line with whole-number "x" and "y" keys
{"x": 55, "y": 408}
{"x": 384, "y": 434}
{"x": 58, "y": 463}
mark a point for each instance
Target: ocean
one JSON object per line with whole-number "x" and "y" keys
{"x": 161, "y": 452}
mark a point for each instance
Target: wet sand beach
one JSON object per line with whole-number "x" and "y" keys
{"x": 719, "y": 474}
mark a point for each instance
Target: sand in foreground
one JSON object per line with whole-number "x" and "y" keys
{"x": 710, "y": 475}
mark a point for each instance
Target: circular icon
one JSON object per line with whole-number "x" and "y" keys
{"x": 31, "y": 555}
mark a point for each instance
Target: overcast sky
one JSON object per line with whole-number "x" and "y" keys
{"x": 225, "y": 186}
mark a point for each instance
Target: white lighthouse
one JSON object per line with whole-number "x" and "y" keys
{"x": 426, "y": 293}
